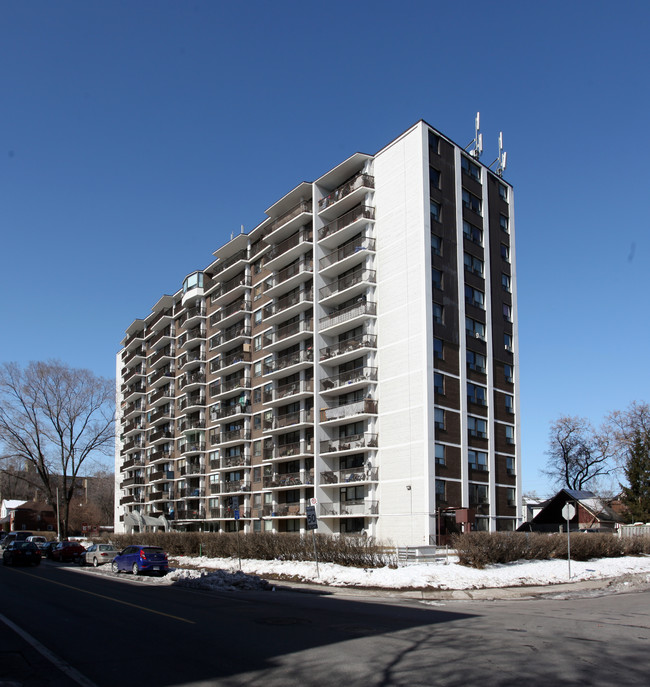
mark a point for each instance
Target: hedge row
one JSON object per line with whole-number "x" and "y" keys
{"x": 478, "y": 549}
{"x": 349, "y": 551}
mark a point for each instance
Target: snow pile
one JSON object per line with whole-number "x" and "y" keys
{"x": 219, "y": 579}
{"x": 440, "y": 575}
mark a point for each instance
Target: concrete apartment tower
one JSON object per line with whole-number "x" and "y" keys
{"x": 358, "y": 347}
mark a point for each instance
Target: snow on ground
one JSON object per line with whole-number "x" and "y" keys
{"x": 224, "y": 573}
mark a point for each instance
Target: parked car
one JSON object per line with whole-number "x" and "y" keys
{"x": 38, "y": 540}
{"x": 139, "y": 559}
{"x": 21, "y": 552}
{"x": 46, "y": 552}
{"x": 15, "y": 536}
{"x": 97, "y": 554}
{"x": 66, "y": 551}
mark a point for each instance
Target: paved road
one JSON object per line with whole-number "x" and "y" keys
{"x": 106, "y": 629}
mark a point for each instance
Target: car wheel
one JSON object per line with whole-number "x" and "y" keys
{"x": 95, "y": 562}
{"x": 135, "y": 569}
{"x": 115, "y": 568}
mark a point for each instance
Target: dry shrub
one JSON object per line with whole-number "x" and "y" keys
{"x": 478, "y": 549}
{"x": 348, "y": 551}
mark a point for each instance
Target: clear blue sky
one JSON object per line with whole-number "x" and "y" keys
{"x": 137, "y": 135}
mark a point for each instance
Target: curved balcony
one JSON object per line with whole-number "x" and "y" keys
{"x": 162, "y": 356}
{"x": 161, "y": 435}
{"x": 342, "y": 319}
{"x": 289, "y": 364}
{"x": 164, "y": 336}
{"x": 191, "y": 360}
{"x": 346, "y": 256}
{"x": 163, "y": 375}
{"x": 288, "y": 306}
{"x": 191, "y": 381}
{"x": 230, "y": 314}
{"x": 191, "y": 403}
{"x": 350, "y": 380}
{"x": 288, "y": 222}
{"x": 289, "y": 277}
{"x": 191, "y": 338}
{"x": 190, "y": 447}
{"x": 229, "y": 387}
{"x": 193, "y": 316}
{"x": 345, "y": 227}
{"x": 227, "y": 291}
{"x": 288, "y": 250}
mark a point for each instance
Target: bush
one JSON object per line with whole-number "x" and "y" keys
{"x": 267, "y": 546}
{"x": 478, "y": 549}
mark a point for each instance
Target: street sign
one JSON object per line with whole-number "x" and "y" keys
{"x": 312, "y": 522}
{"x": 236, "y": 513}
{"x": 568, "y": 511}
{"x": 313, "y": 501}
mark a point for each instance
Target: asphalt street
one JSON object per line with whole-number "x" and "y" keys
{"x": 97, "y": 629}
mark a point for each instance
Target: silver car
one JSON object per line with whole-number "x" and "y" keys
{"x": 98, "y": 554}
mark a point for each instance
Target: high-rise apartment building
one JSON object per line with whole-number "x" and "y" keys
{"x": 356, "y": 350}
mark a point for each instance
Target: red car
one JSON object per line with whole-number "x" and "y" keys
{"x": 67, "y": 551}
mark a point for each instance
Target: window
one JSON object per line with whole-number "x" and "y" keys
{"x": 510, "y": 496}
{"x": 439, "y": 383}
{"x": 257, "y": 316}
{"x": 436, "y": 277}
{"x": 257, "y": 292}
{"x": 257, "y": 451}
{"x": 482, "y": 524}
{"x": 257, "y": 395}
{"x": 509, "y": 402}
{"x": 476, "y": 394}
{"x": 504, "y": 223}
{"x": 257, "y": 266}
{"x": 510, "y": 435}
{"x": 505, "y": 282}
{"x": 473, "y": 264}
{"x": 472, "y": 233}
{"x": 477, "y": 460}
{"x": 510, "y": 466}
{"x": 440, "y": 454}
{"x": 507, "y": 312}
{"x": 476, "y": 361}
{"x": 474, "y": 329}
{"x": 440, "y": 490}
{"x": 438, "y": 311}
{"x": 477, "y": 427}
{"x": 434, "y": 143}
{"x": 437, "y": 349}
{"x": 434, "y": 178}
{"x": 257, "y": 422}
{"x": 474, "y": 297}
{"x": 194, "y": 281}
{"x": 507, "y": 342}
{"x": 505, "y": 252}
{"x": 472, "y": 202}
{"x": 503, "y": 192}
{"x": 507, "y": 373}
{"x": 436, "y": 245}
{"x": 470, "y": 168}
{"x": 435, "y": 211}
{"x": 439, "y": 418}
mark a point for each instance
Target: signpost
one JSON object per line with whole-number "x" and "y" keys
{"x": 568, "y": 512}
{"x": 312, "y": 524}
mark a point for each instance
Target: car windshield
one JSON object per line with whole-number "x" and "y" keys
{"x": 147, "y": 550}
{"x": 22, "y": 545}
{"x": 106, "y": 547}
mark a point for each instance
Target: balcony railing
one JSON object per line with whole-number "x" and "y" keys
{"x": 240, "y": 329}
{"x": 354, "y": 441}
{"x": 288, "y": 301}
{"x": 348, "y": 313}
{"x": 349, "y": 410}
{"x": 360, "y": 212}
{"x": 289, "y": 360}
{"x": 302, "y": 207}
{"x": 358, "y": 244}
{"x": 226, "y": 287}
{"x": 348, "y": 281}
{"x": 367, "y": 341}
{"x": 193, "y": 378}
{"x": 359, "y": 374}
{"x": 228, "y": 262}
{"x": 192, "y": 447}
{"x": 353, "y": 507}
{"x": 239, "y": 357}
{"x": 347, "y": 475}
{"x": 192, "y": 400}
{"x": 292, "y": 329}
{"x": 361, "y": 180}
{"x": 305, "y": 236}
{"x": 305, "y": 265}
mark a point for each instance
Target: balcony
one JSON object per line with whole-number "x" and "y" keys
{"x": 165, "y": 353}
{"x": 301, "y": 388}
{"x": 190, "y": 360}
{"x": 198, "y": 514}
{"x": 192, "y": 316}
{"x": 191, "y": 338}
{"x": 137, "y": 371}
{"x": 290, "y": 221}
{"x": 352, "y": 507}
{"x": 287, "y": 364}
{"x": 235, "y": 486}
{"x": 229, "y": 387}
{"x": 131, "y": 463}
{"x": 230, "y": 412}
{"x": 346, "y": 255}
{"x": 134, "y": 340}
{"x": 191, "y": 447}
{"x": 161, "y": 376}
{"x": 351, "y": 443}
{"x": 164, "y": 335}
{"x": 284, "y": 451}
{"x": 341, "y": 414}
{"x": 230, "y": 289}
{"x": 288, "y": 480}
{"x": 192, "y": 469}
{"x": 163, "y": 318}
{"x": 230, "y": 363}
{"x": 161, "y": 454}
{"x": 191, "y": 403}
{"x": 351, "y": 192}
{"x": 338, "y": 477}
{"x": 289, "y": 277}
{"x": 345, "y": 227}
{"x": 347, "y": 286}
{"x": 288, "y": 306}
{"x": 348, "y": 349}
{"x": 230, "y": 337}
{"x": 190, "y": 425}
{"x": 133, "y": 391}
{"x": 230, "y": 314}
{"x": 349, "y": 380}
{"x": 289, "y": 249}
{"x": 289, "y": 334}
{"x": 165, "y": 393}
{"x": 132, "y": 481}
{"x": 280, "y": 423}
{"x": 233, "y": 436}
{"x": 223, "y": 265}
{"x": 351, "y": 316}
{"x": 191, "y": 381}
{"x": 161, "y": 435}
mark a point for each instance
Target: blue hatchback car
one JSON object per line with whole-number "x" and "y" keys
{"x": 140, "y": 559}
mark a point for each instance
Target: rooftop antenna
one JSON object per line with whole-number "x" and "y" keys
{"x": 502, "y": 158}
{"x": 478, "y": 139}
{"x": 242, "y": 229}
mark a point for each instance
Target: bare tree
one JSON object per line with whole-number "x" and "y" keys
{"x": 578, "y": 455}
{"x": 53, "y": 418}
{"x": 628, "y": 426}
